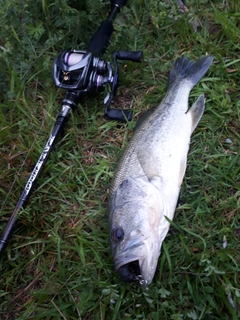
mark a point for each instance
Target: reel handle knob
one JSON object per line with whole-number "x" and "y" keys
{"x": 135, "y": 56}
{"x": 119, "y": 115}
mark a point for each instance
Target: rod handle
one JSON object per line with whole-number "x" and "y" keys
{"x": 119, "y": 3}
{"x": 100, "y": 40}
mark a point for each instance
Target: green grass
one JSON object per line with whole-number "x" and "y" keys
{"x": 58, "y": 263}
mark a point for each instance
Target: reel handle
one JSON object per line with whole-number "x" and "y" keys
{"x": 117, "y": 114}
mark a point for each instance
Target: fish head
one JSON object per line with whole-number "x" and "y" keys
{"x": 136, "y": 216}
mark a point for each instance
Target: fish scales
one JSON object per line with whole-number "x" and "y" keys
{"x": 150, "y": 140}
{"x": 149, "y": 175}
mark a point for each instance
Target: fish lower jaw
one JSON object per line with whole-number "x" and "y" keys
{"x": 143, "y": 283}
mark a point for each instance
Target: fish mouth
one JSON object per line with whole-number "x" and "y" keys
{"x": 130, "y": 271}
{"x": 130, "y": 260}
{"x": 128, "y": 265}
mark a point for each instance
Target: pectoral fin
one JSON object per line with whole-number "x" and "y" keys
{"x": 197, "y": 110}
{"x": 183, "y": 165}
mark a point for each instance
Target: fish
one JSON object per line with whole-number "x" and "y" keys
{"x": 146, "y": 184}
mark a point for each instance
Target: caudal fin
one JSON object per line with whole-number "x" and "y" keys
{"x": 183, "y": 68}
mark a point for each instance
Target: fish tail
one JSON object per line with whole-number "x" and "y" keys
{"x": 184, "y": 69}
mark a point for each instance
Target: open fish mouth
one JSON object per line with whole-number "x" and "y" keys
{"x": 129, "y": 265}
{"x": 130, "y": 271}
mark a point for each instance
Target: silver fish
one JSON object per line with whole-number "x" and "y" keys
{"x": 147, "y": 181}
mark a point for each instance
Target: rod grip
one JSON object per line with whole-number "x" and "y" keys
{"x": 100, "y": 40}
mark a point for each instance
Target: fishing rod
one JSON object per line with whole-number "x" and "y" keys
{"x": 80, "y": 72}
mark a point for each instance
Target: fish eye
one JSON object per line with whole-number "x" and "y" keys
{"x": 117, "y": 234}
